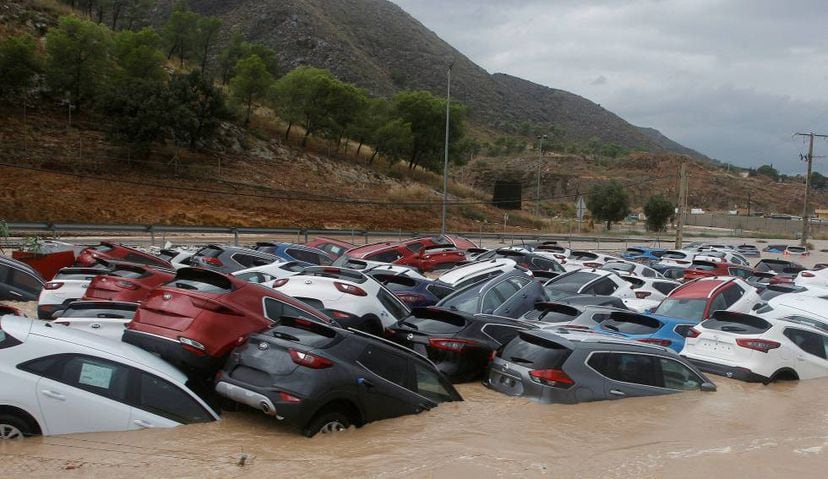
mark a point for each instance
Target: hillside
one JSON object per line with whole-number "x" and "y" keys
{"x": 377, "y": 45}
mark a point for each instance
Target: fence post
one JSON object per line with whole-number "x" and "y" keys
{"x": 306, "y": 236}
{"x": 235, "y": 237}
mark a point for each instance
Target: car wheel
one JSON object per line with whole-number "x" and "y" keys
{"x": 12, "y": 428}
{"x": 327, "y": 423}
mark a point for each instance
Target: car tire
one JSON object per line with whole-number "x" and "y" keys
{"x": 327, "y": 422}
{"x": 13, "y": 427}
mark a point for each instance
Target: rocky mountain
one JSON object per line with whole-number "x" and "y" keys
{"x": 377, "y": 45}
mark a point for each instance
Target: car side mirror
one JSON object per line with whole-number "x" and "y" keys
{"x": 708, "y": 387}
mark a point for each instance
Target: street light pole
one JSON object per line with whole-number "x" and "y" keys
{"x": 540, "y": 159}
{"x": 445, "y": 159}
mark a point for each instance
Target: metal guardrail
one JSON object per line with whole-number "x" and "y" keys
{"x": 20, "y": 229}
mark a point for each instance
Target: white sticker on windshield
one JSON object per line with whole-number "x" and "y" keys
{"x": 97, "y": 376}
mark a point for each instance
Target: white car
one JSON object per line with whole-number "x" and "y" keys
{"x": 69, "y": 284}
{"x": 759, "y": 349}
{"x": 57, "y": 380}
{"x": 649, "y": 292}
{"x": 677, "y": 257}
{"x": 722, "y": 257}
{"x": 177, "y": 257}
{"x": 818, "y": 278}
{"x": 468, "y": 274}
{"x": 396, "y": 269}
{"x": 811, "y": 303}
{"x": 587, "y": 259}
{"x": 559, "y": 253}
{"x": 596, "y": 282}
{"x": 631, "y": 268}
{"x": 350, "y": 297}
{"x": 102, "y": 318}
{"x": 268, "y": 273}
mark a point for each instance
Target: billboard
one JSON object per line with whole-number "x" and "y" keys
{"x": 507, "y": 195}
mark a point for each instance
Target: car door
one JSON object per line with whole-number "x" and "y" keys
{"x": 496, "y": 295}
{"x": 160, "y": 403}
{"x": 628, "y": 374}
{"x": 809, "y": 358}
{"x": 386, "y": 384}
{"x": 523, "y": 299}
{"x": 79, "y": 393}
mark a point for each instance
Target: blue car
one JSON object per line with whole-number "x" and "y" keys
{"x": 637, "y": 253}
{"x": 415, "y": 292}
{"x": 304, "y": 255}
{"x": 648, "y": 328}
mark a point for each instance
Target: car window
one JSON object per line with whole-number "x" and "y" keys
{"x": 394, "y": 306}
{"x": 543, "y": 264}
{"x": 275, "y": 310}
{"x": 535, "y": 352}
{"x": 718, "y": 304}
{"x": 691, "y": 309}
{"x": 245, "y": 260}
{"x": 7, "y": 340}
{"x": 664, "y": 287}
{"x": 414, "y": 247}
{"x": 385, "y": 257}
{"x": 632, "y": 324}
{"x": 739, "y": 272}
{"x": 255, "y": 277}
{"x": 812, "y": 343}
{"x": 628, "y": 367}
{"x": 491, "y": 301}
{"x": 478, "y": 278}
{"x": 439, "y": 291}
{"x": 602, "y": 287}
{"x": 679, "y": 376}
{"x": 386, "y": 365}
{"x": 160, "y": 397}
{"x": 732, "y": 294}
{"x": 308, "y": 256}
{"x": 429, "y": 384}
{"x": 24, "y": 281}
{"x": 95, "y": 375}
{"x": 501, "y": 333}
{"x": 648, "y": 273}
{"x": 333, "y": 249}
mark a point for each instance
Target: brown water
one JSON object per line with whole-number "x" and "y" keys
{"x": 741, "y": 430}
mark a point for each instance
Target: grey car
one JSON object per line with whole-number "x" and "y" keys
{"x": 585, "y": 316}
{"x": 569, "y": 366}
{"x": 229, "y": 259}
{"x": 19, "y": 281}
{"x": 509, "y": 294}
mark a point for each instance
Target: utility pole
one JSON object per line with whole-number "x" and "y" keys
{"x": 682, "y": 203}
{"x": 748, "y": 208}
{"x": 540, "y": 159}
{"x": 804, "y": 239}
{"x": 445, "y": 159}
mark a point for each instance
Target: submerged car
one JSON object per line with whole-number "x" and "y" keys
{"x": 588, "y": 282}
{"x": 510, "y": 294}
{"x": 698, "y": 299}
{"x": 108, "y": 251}
{"x": 102, "y": 318}
{"x": 56, "y": 380}
{"x": 648, "y": 328}
{"x": 570, "y": 366}
{"x": 459, "y": 344}
{"x": 229, "y": 259}
{"x": 332, "y": 246}
{"x": 323, "y": 379}
{"x": 758, "y": 349}
{"x": 302, "y": 254}
{"x": 195, "y": 320}
{"x": 126, "y": 282}
{"x": 68, "y": 285}
{"x": 414, "y": 292}
{"x": 19, "y": 281}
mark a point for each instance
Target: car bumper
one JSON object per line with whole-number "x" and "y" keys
{"x": 734, "y": 372}
{"x": 266, "y": 400}
{"x": 174, "y": 352}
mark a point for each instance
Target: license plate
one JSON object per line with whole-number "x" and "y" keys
{"x": 717, "y": 347}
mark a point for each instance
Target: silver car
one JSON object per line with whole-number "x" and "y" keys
{"x": 568, "y": 366}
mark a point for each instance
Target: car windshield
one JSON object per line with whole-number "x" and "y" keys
{"x": 689, "y": 309}
{"x": 464, "y": 300}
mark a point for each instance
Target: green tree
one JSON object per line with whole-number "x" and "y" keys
{"x": 78, "y": 58}
{"x": 237, "y": 49}
{"x": 207, "y": 29}
{"x": 19, "y": 64}
{"x": 302, "y": 97}
{"x": 196, "y": 108}
{"x": 608, "y": 202}
{"x": 140, "y": 112}
{"x": 769, "y": 171}
{"x": 137, "y": 54}
{"x": 345, "y": 103}
{"x": 658, "y": 210}
{"x": 180, "y": 31}
{"x": 368, "y": 121}
{"x": 251, "y": 82}
{"x": 427, "y": 116}
{"x": 133, "y": 14}
{"x": 394, "y": 140}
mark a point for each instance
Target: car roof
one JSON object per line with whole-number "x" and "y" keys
{"x": 701, "y": 288}
{"x": 456, "y": 274}
{"x": 578, "y": 338}
{"x": 132, "y": 354}
{"x": 364, "y": 250}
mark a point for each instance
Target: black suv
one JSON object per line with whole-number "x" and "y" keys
{"x": 324, "y": 379}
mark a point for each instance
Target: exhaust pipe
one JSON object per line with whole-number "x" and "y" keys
{"x": 264, "y": 407}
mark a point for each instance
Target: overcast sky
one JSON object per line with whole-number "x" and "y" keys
{"x": 733, "y": 79}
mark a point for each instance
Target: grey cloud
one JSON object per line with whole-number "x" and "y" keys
{"x": 599, "y": 80}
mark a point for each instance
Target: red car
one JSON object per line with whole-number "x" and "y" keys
{"x": 411, "y": 253}
{"x": 118, "y": 252}
{"x": 706, "y": 269}
{"x": 196, "y": 319}
{"x": 126, "y": 282}
{"x": 334, "y": 247}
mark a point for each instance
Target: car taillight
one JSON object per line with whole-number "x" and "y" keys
{"x": 53, "y": 285}
{"x": 212, "y": 261}
{"x": 214, "y": 306}
{"x": 450, "y": 344}
{"x": 410, "y": 298}
{"x": 126, "y": 285}
{"x": 642, "y": 294}
{"x": 280, "y": 282}
{"x": 660, "y": 342}
{"x": 807, "y": 274}
{"x": 288, "y": 397}
{"x": 350, "y": 289}
{"x": 192, "y": 345}
{"x": 551, "y": 377}
{"x": 336, "y": 314}
{"x": 761, "y": 345}
{"x": 592, "y": 265}
{"x": 309, "y": 360}
{"x": 692, "y": 333}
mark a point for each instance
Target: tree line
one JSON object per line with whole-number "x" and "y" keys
{"x": 177, "y": 83}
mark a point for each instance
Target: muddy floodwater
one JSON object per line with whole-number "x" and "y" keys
{"x": 742, "y": 430}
